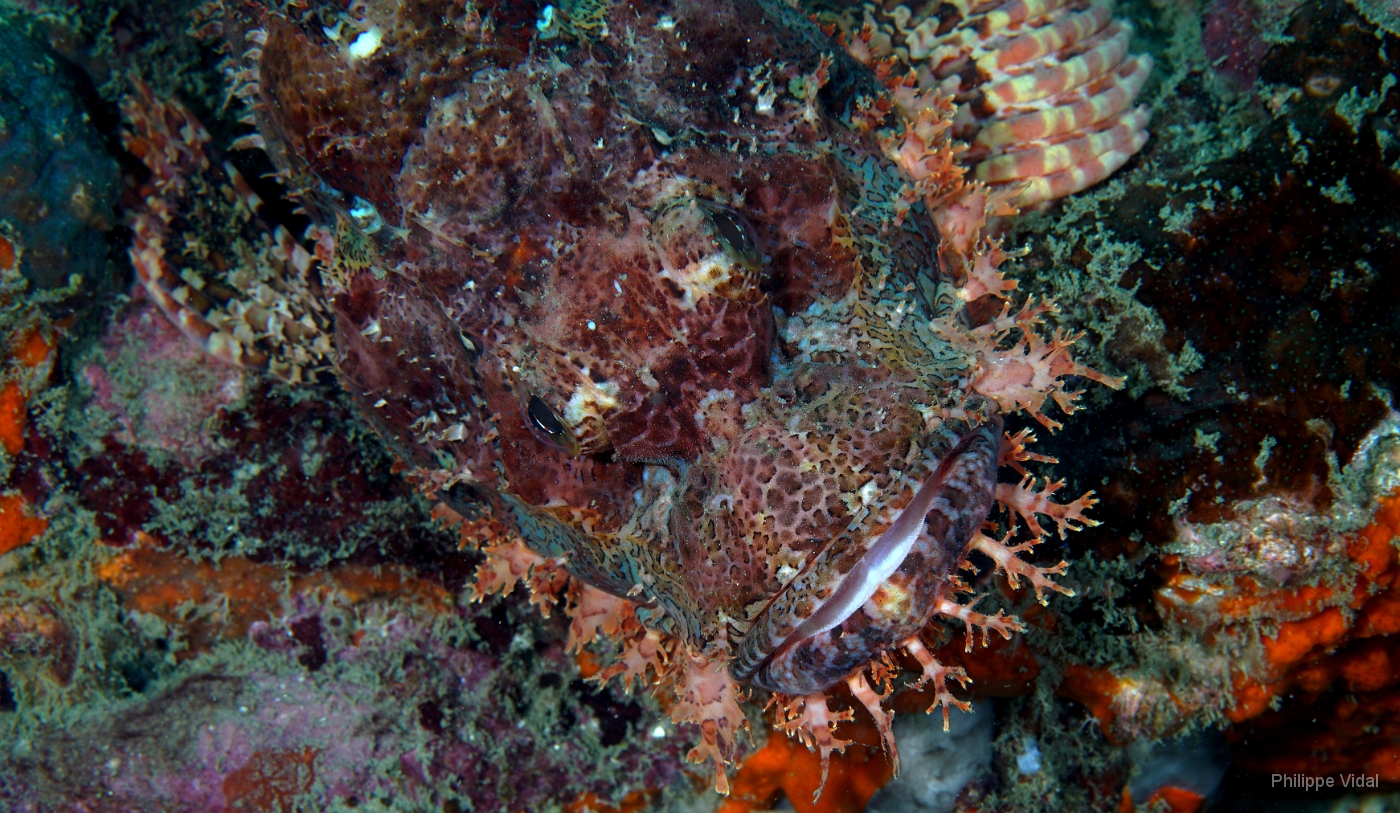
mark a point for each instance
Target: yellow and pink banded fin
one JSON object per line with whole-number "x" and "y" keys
{"x": 1043, "y": 89}
{"x": 243, "y": 290}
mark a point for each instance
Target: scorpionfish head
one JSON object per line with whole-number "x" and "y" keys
{"x": 627, "y": 272}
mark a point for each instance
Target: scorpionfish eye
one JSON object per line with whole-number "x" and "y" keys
{"x": 548, "y": 426}
{"x": 708, "y": 248}
{"x": 733, "y": 233}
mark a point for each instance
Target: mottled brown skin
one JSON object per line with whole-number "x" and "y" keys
{"x": 573, "y": 302}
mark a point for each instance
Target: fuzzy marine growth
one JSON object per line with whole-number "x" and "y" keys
{"x": 667, "y": 299}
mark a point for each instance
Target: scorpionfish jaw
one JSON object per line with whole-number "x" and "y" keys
{"x": 851, "y": 606}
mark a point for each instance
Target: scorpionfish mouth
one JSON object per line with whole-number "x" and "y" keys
{"x": 881, "y": 581}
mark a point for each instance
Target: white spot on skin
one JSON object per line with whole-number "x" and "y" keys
{"x": 546, "y": 24}
{"x": 1028, "y": 761}
{"x": 764, "y": 107}
{"x": 366, "y": 44}
{"x": 366, "y": 217}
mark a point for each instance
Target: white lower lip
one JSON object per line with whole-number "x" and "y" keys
{"x": 878, "y": 563}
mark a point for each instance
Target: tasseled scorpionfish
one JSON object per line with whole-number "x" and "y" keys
{"x": 665, "y": 298}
